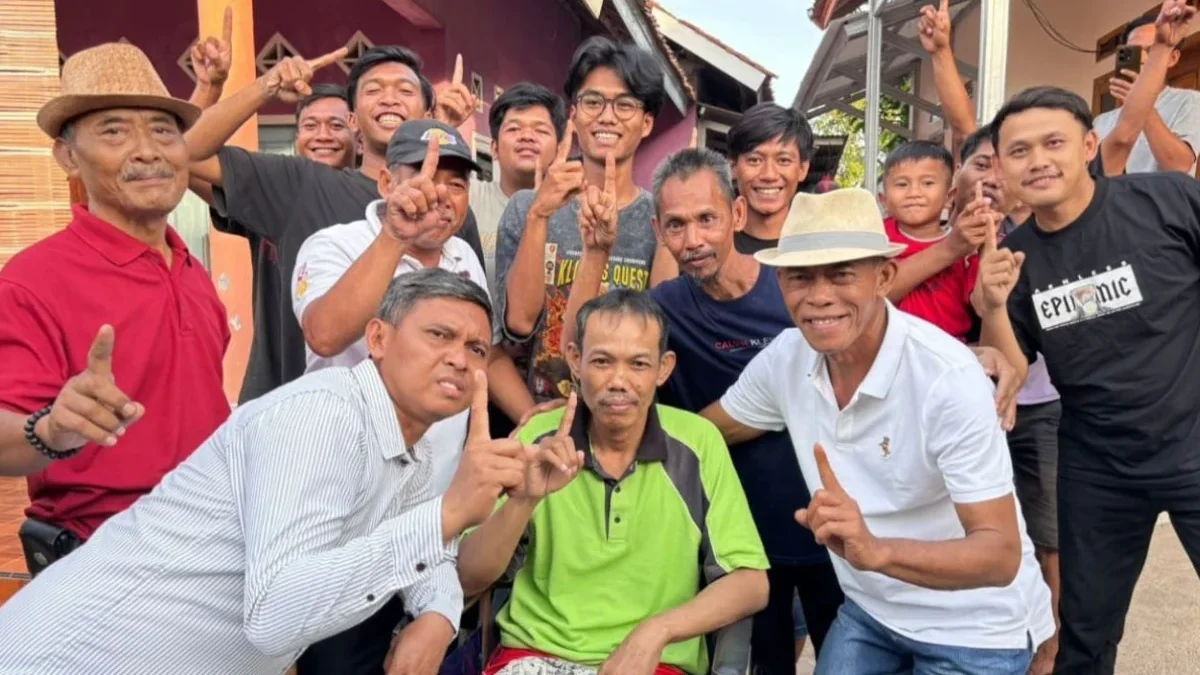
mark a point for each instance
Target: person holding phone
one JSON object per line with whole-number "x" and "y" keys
{"x": 1171, "y": 133}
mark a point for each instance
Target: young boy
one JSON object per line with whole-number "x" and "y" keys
{"x": 937, "y": 271}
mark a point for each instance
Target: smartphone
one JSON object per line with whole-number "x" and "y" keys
{"x": 1129, "y": 57}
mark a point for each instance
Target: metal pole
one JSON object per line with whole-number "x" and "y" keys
{"x": 993, "y": 58}
{"x": 874, "y": 74}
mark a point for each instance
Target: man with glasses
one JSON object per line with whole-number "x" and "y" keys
{"x": 615, "y": 92}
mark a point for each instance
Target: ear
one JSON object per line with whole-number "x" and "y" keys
{"x": 1091, "y": 144}
{"x": 379, "y": 332}
{"x": 574, "y": 359}
{"x": 494, "y": 146}
{"x": 666, "y": 366}
{"x": 1175, "y": 56}
{"x": 352, "y": 121}
{"x": 65, "y": 157}
{"x": 804, "y": 166}
{"x": 386, "y": 182}
{"x": 887, "y": 277}
{"x": 739, "y": 213}
{"x": 647, "y": 124}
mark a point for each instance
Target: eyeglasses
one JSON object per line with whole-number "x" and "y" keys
{"x": 624, "y": 106}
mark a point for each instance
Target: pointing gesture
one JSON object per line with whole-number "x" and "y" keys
{"x": 555, "y": 461}
{"x": 933, "y": 29}
{"x": 598, "y": 210}
{"x": 836, "y": 521}
{"x": 969, "y": 227}
{"x": 90, "y": 408}
{"x": 212, "y": 58}
{"x": 289, "y": 79}
{"x": 999, "y": 270}
{"x": 455, "y": 102}
{"x": 412, "y": 204}
{"x": 488, "y": 467}
{"x": 563, "y": 179}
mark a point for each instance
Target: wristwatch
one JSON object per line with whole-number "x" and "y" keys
{"x": 32, "y": 438}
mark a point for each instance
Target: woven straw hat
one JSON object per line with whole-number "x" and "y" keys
{"x": 835, "y": 227}
{"x": 112, "y": 75}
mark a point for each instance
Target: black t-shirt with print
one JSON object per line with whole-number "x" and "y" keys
{"x": 279, "y": 201}
{"x": 1113, "y": 303}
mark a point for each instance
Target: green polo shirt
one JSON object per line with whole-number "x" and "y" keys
{"x": 604, "y": 554}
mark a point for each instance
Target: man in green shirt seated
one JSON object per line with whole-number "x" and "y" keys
{"x": 627, "y": 510}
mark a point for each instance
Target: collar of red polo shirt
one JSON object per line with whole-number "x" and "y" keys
{"x": 116, "y": 245}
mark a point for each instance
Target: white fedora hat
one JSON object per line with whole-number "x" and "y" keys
{"x": 835, "y": 227}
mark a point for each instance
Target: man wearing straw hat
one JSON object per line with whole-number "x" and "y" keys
{"x": 899, "y": 441}
{"x": 110, "y": 321}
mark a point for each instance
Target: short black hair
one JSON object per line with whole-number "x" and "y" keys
{"x": 1136, "y": 24}
{"x": 766, "y": 121}
{"x": 524, "y": 95}
{"x": 387, "y": 54}
{"x": 624, "y": 301}
{"x": 971, "y": 145}
{"x": 1049, "y": 98}
{"x": 915, "y": 151}
{"x": 320, "y": 92}
{"x": 636, "y": 66}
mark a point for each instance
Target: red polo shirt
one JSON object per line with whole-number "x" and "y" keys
{"x": 943, "y": 299}
{"x": 170, "y": 337}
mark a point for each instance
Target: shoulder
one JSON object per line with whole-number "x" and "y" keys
{"x": 1020, "y": 238}
{"x": 670, "y": 290}
{"x": 1160, "y": 188}
{"x": 27, "y": 270}
{"x": 352, "y": 238}
{"x": 932, "y": 350}
{"x": 326, "y": 400}
{"x": 1175, "y": 94}
{"x": 697, "y": 433}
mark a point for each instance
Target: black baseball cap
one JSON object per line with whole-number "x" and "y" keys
{"x": 411, "y": 140}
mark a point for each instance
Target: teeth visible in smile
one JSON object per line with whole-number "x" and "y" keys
{"x": 824, "y": 322}
{"x": 605, "y": 136}
{"x": 390, "y": 120}
{"x": 768, "y": 192}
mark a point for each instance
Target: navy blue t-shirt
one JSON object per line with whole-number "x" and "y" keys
{"x": 714, "y": 341}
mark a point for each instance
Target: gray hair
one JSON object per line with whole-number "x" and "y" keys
{"x": 686, "y": 163}
{"x": 406, "y": 290}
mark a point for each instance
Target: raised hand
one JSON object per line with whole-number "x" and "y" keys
{"x": 1173, "y": 22}
{"x": 90, "y": 408}
{"x": 933, "y": 29}
{"x": 488, "y": 467}
{"x": 212, "y": 58}
{"x": 968, "y": 229}
{"x": 598, "y": 210}
{"x": 1120, "y": 85}
{"x": 289, "y": 80}
{"x": 454, "y": 101}
{"x": 1007, "y": 384}
{"x": 555, "y": 461}
{"x": 563, "y": 179}
{"x": 411, "y": 200}
{"x": 999, "y": 270}
{"x": 836, "y": 521}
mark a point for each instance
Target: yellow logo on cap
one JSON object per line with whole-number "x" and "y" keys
{"x": 442, "y": 137}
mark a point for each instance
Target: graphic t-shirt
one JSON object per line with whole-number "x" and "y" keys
{"x": 1113, "y": 303}
{"x": 943, "y": 299}
{"x": 714, "y": 341}
{"x": 629, "y": 265}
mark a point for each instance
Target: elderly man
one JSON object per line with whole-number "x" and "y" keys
{"x": 915, "y": 495}
{"x": 110, "y": 318}
{"x": 299, "y": 518}
{"x": 629, "y": 507}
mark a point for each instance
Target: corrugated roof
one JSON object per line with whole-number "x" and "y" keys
{"x": 652, "y": 5}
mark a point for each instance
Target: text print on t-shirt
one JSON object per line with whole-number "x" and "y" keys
{"x": 1113, "y": 290}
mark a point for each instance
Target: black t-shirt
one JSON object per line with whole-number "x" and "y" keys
{"x": 1113, "y": 303}
{"x": 749, "y": 245}
{"x": 282, "y": 200}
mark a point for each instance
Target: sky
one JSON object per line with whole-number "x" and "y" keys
{"x": 775, "y": 33}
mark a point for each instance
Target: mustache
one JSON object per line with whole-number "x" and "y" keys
{"x": 147, "y": 173}
{"x": 617, "y": 399}
{"x": 693, "y": 257}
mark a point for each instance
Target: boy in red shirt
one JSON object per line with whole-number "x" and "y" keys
{"x": 937, "y": 271}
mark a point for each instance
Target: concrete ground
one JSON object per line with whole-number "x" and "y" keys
{"x": 1162, "y": 630}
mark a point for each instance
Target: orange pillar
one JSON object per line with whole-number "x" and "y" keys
{"x": 229, "y": 256}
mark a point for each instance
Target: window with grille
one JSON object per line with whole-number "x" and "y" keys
{"x": 276, "y": 50}
{"x": 355, "y": 48}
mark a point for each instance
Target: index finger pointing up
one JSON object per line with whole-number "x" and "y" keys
{"x": 432, "y": 150}
{"x": 568, "y": 418}
{"x": 100, "y": 355}
{"x": 989, "y": 240}
{"x": 458, "y": 70}
{"x": 564, "y": 148}
{"x": 829, "y": 480}
{"x": 227, "y": 26}
{"x": 329, "y": 59}
{"x": 480, "y": 430}
{"x": 610, "y": 174}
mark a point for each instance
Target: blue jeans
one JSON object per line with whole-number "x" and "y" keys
{"x": 860, "y": 645}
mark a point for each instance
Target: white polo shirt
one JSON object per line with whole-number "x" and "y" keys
{"x": 919, "y": 435}
{"x": 324, "y": 258}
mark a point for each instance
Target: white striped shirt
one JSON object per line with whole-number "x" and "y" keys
{"x": 298, "y": 519}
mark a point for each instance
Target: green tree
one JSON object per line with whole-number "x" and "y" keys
{"x": 839, "y": 123}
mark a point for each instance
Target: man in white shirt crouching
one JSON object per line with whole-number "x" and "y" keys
{"x": 898, "y": 438}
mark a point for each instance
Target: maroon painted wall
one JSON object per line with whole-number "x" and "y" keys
{"x": 671, "y": 132}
